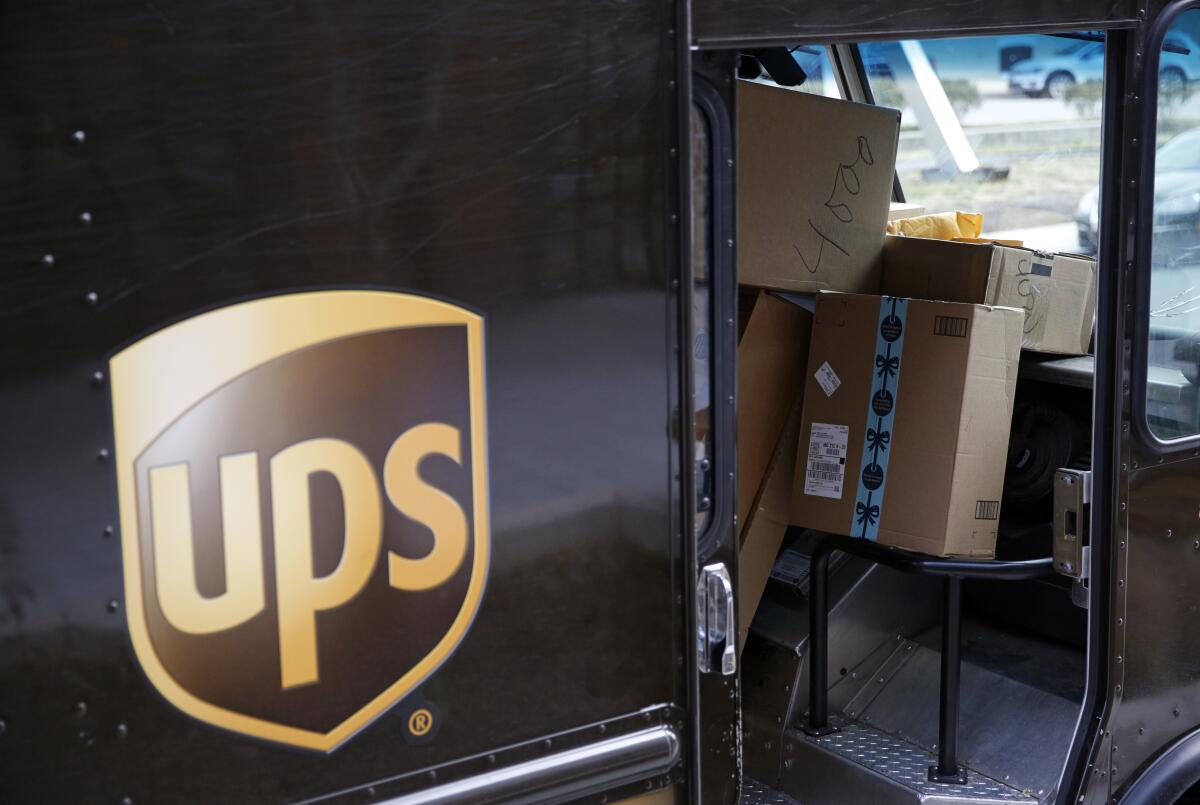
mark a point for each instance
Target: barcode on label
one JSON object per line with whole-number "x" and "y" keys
{"x": 825, "y": 470}
{"x": 987, "y": 510}
{"x": 950, "y": 325}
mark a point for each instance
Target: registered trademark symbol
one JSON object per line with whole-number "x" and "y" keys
{"x": 420, "y": 722}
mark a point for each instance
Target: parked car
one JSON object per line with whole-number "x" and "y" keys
{"x": 1176, "y": 237}
{"x": 1083, "y": 61}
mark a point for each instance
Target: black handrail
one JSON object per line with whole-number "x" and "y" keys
{"x": 954, "y": 571}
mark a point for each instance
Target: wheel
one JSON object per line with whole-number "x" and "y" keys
{"x": 1045, "y": 436}
{"x": 1059, "y": 84}
{"x": 1171, "y": 82}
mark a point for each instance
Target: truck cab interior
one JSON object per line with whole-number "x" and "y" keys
{"x": 1012, "y": 127}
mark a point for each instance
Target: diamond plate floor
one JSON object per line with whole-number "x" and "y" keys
{"x": 907, "y": 765}
{"x": 755, "y": 793}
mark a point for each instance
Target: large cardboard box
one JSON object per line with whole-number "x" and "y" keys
{"x": 907, "y": 410}
{"x": 772, "y": 352}
{"x": 1056, "y": 291}
{"x": 766, "y": 527}
{"x": 814, "y": 184}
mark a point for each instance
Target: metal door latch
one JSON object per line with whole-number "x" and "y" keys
{"x": 1072, "y": 510}
{"x": 716, "y": 622}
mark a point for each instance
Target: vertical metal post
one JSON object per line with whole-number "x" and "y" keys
{"x": 947, "y": 769}
{"x": 818, "y": 641}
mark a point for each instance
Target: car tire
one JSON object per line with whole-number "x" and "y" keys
{"x": 1058, "y": 84}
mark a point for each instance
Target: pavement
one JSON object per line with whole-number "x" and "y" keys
{"x": 1010, "y": 110}
{"x": 1052, "y": 238}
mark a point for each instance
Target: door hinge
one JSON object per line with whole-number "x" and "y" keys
{"x": 1072, "y": 512}
{"x": 716, "y": 638}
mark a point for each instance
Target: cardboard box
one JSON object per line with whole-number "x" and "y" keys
{"x": 766, "y": 527}
{"x": 1056, "y": 291}
{"x": 907, "y": 410}
{"x": 943, "y": 270}
{"x": 772, "y": 352}
{"x": 814, "y": 184}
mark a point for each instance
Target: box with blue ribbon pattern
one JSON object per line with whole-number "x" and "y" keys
{"x": 906, "y": 416}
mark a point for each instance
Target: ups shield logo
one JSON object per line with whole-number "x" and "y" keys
{"x": 303, "y": 506}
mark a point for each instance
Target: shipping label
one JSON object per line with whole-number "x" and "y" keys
{"x": 826, "y": 470}
{"x": 827, "y": 379}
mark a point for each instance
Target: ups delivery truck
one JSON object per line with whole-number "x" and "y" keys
{"x": 370, "y": 398}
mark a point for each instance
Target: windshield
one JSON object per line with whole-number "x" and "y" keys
{"x": 979, "y": 135}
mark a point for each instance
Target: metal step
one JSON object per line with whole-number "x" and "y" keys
{"x": 755, "y": 793}
{"x": 858, "y": 763}
{"x": 1018, "y": 704}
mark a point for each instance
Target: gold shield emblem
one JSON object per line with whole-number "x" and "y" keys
{"x": 303, "y": 498}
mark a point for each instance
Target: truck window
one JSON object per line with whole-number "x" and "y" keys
{"x": 817, "y": 77}
{"x": 814, "y": 60}
{"x": 702, "y": 314}
{"x": 1173, "y": 349}
{"x": 1006, "y": 126}
{"x": 712, "y": 303}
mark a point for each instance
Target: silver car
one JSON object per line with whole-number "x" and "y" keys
{"x": 1081, "y": 62}
{"x": 1176, "y": 236}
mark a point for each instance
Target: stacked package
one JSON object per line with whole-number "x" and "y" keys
{"x": 876, "y": 373}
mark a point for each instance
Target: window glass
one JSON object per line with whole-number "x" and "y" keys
{"x": 1006, "y": 126}
{"x": 702, "y": 314}
{"x": 1174, "y": 344}
{"x": 813, "y": 60}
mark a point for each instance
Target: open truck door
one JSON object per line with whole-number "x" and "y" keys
{"x": 1147, "y": 740}
{"x": 351, "y": 446}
